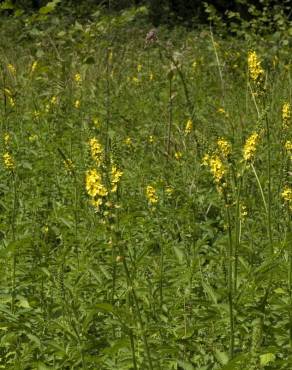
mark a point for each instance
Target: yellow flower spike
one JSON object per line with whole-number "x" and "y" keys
{"x": 217, "y": 168}
{"x": 169, "y": 191}
{"x": 6, "y": 138}
{"x": 93, "y": 184}
{"x": 224, "y": 147}
{"x": 223, "y": 112}
{"x": 189, "y": 127}
{"x": 96, "y": 203}
{"x": 77, "y": 104}
{"x": 287, "y": 196}
{"x": 151, "y": 76}
{"x": 33, "y": 66}
{"x": 286, "y": 115}
{"x": 139, "y": 68}
{"x": 255, "y": 69}
{"x": 96, "y": 151}
{"x": 250, "y": 145}
{"x": 11, "y": 69}
{"x": 116, "y": 175}
{"x": 151, "y": 195}
{"x": 69, "y": 165}
{"x": 128, "y": 141}
{"x": 8, "y": 161}
{"x": 96, "y": 122}
{"x": 151, "y": 139}
{"x": 53, "y": 100}
{"x": 77, "y": 78}
{"x": 288, "y": 146}
{"x": 242, "y": 212}
{"x": 11, "y": 101}
{"x": 33, "y": 138}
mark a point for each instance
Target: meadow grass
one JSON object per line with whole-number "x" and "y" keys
{"x": 145, "y": 200}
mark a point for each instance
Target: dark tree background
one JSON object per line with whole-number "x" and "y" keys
{"x": 171, "y": 11}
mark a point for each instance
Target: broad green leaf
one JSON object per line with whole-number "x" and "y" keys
{"x": 267, "y": 358}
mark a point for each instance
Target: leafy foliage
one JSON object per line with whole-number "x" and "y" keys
{"x": 193, "y": 274}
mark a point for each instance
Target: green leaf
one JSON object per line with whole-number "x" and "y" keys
{"x": 106, "y": 307}
{"x": 222, "y": 357}
{"x": 49, "y": 7}
{"x": 185, "y": 365}
{"x": 267, "y": 358}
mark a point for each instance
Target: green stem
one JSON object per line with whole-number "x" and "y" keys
{"x": 260, "y": 187}
{"x": 169, "y": 118}
{"x": 269, "y": 186}
{"x": 139, "y": 316}
{"x": 230, "y": 282}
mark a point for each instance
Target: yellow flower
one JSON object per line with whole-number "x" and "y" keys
{"x": 151, "y": 195}
{"x": 128, "y": 141}
{"x": 189, "y": 127}
{"x": 224, "y": 147}
{"x": 169, "y": 191}
{"x": 96, "y": 203}
{"x": 69, "y": 165}
{"x": 11, "y": 101}
{"x": 95, "y": 122}
{"x": 288, "y": 147}
{"x": 242, "y": 212}
{"x": 178, "y": 155}
{"x": 286, "y": 114}
{"x": 287, "y": 196}
{"x": 53, "y": 100}
{"x": 7, "y": 92}
{"x": 33, "y": 66}
{"x": 135, "y": 80}
{"x": 6, "y": 138}
{"x": 77, "y": 78}
{"x": 94, "y": 186}
{"x": 151, "y": 139}
{"x": 249, "y": 148}
{"x": 8, "y": 161}
{"x": 77, "y": 104}
{"x": 217, "y": 168}
{"x": 223, "y": 112}
{"x": 115, "y": 178}
{"x": 215, "y": 165}
{"x": 194, "y": 64}
{"x": 151, "y": 76}
{"x": 11, "y": 69}
{"x": 96, "y": 151}
{"x": 256, "y": 72}
{"x": 32, "y": 138}
{"x": 139, "y": 68}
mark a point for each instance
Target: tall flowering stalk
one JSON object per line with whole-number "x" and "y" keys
{"x": 256, "y": 72}
{"x": 219, "y": 170}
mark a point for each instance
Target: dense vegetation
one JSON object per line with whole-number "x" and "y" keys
{"x": 145, "y": 193}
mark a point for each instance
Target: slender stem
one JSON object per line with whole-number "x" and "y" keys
{"x": 218, "y": 64}
{"x": 269, "y": 185}
{"x": 169, "y": 118}
{"x": 260, "y": 187}
{"x": 139, "y": 316}
{"x": 230, "y": 282}
{"x": 237, "y": 236}
{"x": 161, "y": 276}
{"x": 133, "y": 350}
{"x": 14, "y": 260}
